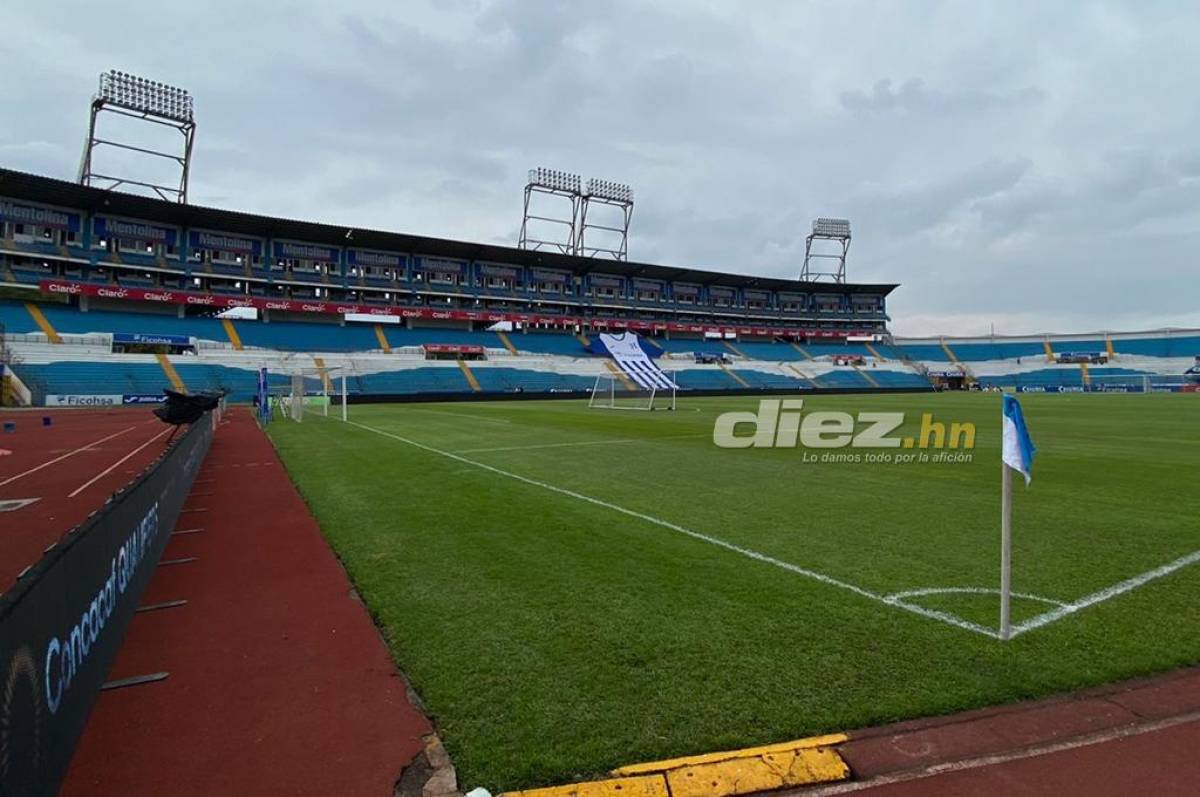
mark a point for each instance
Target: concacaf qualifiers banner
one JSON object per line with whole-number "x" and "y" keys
{"x": 217, "y": 302}
{"x": 63, "y": 621}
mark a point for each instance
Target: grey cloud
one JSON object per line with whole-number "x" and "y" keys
{"x": 912, "y": 96}
{"x": 976, "y": 152}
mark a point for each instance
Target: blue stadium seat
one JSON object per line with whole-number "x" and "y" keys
{"x": 685, "y": 345}
{"x": 696, "y": 379}
{"x": 506, "y": 380}
{"x": 560, "y": 343}
{"x": 758, "y": 379}
{"x": 774, "y": 352}
{"x": 16, "y": 319}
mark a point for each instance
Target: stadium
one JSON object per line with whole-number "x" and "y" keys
{"x": 407, "y": 546}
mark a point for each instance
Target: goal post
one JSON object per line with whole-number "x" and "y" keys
{"x": 309, "y": 390}
{"x": 611, "y": 392}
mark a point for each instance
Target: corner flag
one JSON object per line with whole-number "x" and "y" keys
{"x": 1017, "y": 454}
{"x": 1018, "y": 447}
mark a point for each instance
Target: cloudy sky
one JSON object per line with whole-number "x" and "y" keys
{"x": 1032, "y": 166}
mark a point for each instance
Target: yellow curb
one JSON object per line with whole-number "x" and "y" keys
{"x": 644, "y": 786}
{"x": 724, "y": 774}
{"x": 749, "y": 752}
{"x": 761, "y": 773}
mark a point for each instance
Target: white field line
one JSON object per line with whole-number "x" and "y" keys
{"x": 582, "y": 443}
{"x": 111, "y": 467}
{"x": 944, "y": 617}
{"x": 1109, "y": 592}
{"x": 917, "y": 593}
{"x": 70, "y": 453}
{"x": 453, "y": 414}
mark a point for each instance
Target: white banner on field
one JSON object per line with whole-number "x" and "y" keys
{"x": 627, "y": 351}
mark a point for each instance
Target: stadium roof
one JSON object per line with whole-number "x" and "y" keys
{"x": 47, "y": 190}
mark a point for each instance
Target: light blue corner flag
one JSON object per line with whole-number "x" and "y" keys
{"x": 1018, "y": 448}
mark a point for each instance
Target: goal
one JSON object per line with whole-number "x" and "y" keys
{"x": 614, "y": 393}
{"x": 305, "y": 390}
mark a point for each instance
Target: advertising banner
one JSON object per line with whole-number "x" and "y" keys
{"x": 63, "y": 621}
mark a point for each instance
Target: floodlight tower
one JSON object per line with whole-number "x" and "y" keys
{"x": 833, "y": 236}
{"x": 145, "y": 100}
{"x": 562, "y": 186}
{"x": 614, "y": 195}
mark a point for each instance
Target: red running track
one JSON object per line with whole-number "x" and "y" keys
{"x": 279, "y": 683}
{"x": 1163, "y": 762}
{"x": 71, "y": 467}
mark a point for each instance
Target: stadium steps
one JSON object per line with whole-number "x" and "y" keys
{"x": 801, "y": 349}
{"x": 620, "y": 375}
{"x": 866, "y": 376}
{"x": 470, "y": 377}
{"x": 508, "y": 344}
{"x": 1087, "y": 377}
{"x": 381, "y": 336}
{"x": 1049, "y": 350}
{"x": 875, "y": 353}
{"x": 1108, "y": 347}
{"x": 43, "y": 323}
{"x": 733, "y": 348}
{"x": 232, "y": 333}
{"x": 582, "y": 338}
{"x": 323, "y": 372}
{"x": 733, "y": 375}
{"x": 172, "y": 375}
{"x": 812, "y": 380}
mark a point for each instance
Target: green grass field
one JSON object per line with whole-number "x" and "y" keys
{"x": 553, "y": 637}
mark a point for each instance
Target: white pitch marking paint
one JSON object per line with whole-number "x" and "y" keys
{"x": 917, "y": 593}
{"x": 70, "y": 453}
{"x": 460, "y": 415}
{"x": 582, "y": 443}
{"x": 1106, "y": 593}
{"x": 890, "y": 600}
{"x": 113, "y": 466}
{"x": 944, "y": 617}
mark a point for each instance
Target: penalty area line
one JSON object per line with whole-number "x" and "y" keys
{"x": 931, "y": 614}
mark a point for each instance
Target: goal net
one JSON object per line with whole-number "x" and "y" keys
{"x": 304, "y": 390}
{"x": 611, "y": 392}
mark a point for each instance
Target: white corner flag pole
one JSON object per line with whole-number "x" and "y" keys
{"x": 1005, "y": 550}
{"x": 344, "y": 395}
{"x": 1016, "y": 453}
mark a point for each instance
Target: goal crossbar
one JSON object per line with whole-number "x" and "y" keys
{"x": 611, "y": 392}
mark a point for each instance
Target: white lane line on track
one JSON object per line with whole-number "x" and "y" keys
{"x": 113, "y": 466}
{"x": 70, "y": 453}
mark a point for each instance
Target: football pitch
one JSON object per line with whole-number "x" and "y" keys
{"x": 570, "y": 590}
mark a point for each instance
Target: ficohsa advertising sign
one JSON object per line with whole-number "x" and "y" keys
{"x": 86, "y": 400}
